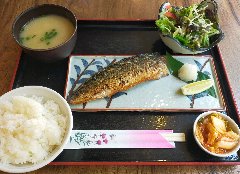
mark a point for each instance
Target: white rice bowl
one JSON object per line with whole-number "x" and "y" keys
{"x": 35, "y": 124}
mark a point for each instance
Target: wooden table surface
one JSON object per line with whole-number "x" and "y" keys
{"x": 229, "y": 15}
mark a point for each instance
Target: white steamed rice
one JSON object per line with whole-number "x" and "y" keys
{"x": 30, "y": 129}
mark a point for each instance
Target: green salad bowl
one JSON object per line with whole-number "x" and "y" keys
{"x": 177, "y": 47}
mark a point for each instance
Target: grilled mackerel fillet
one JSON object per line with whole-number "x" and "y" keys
{"x": 120, "y": 76}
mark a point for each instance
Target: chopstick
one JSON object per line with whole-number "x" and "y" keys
{"x": 174, "y": 137}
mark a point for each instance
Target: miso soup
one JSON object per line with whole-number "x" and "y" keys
{"x": 46, "y": 32}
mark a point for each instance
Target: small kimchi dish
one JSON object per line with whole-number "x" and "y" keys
{"x": 217, "y": 134}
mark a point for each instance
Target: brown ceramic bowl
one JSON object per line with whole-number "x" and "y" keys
{"x": 52, "y": 54}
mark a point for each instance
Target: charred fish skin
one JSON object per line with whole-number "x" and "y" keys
{"x": 120, "y": 76}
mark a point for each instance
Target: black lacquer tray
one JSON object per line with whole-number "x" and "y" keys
{"x": 98, "y": 37}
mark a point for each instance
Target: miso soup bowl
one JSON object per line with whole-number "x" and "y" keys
{"x": 52, "y": 54}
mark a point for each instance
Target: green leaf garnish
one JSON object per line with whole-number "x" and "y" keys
{"x": 21, "y": 39}
{"x": 22, "y": 29}
{"x": 48, "y": 36}
{"x": 210, "y": 91}
{"x": 173, "y": 64}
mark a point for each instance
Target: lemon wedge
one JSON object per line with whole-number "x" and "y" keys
{"x": 197, "y": 87}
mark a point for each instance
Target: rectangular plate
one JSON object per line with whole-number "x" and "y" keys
{"x": 126, "y": 38}
{"x": 159, "y": 95}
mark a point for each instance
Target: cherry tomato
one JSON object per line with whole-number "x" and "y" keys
{"x": 168, "y": 6}
{"x": 170, "y": 15}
